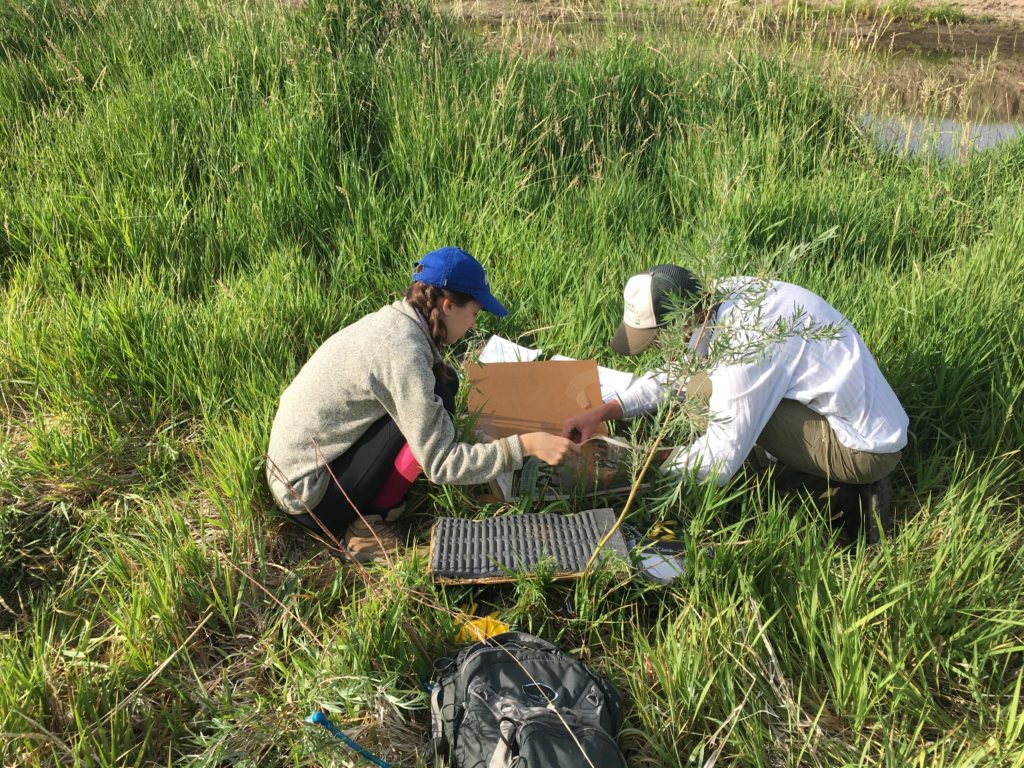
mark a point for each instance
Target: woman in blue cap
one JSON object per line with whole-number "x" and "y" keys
{"x": 374, "y": 405}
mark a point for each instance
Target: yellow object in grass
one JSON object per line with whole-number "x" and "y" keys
{"x": 661, "y": 531}
{"x": 476, "y": 628}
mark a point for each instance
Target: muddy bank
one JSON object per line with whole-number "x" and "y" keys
{"x": 970, "y": 70}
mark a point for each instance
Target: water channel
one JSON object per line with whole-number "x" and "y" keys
{"x": 942, "y": 137}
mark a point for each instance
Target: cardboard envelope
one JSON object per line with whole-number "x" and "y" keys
{"x": 515, "y": 398}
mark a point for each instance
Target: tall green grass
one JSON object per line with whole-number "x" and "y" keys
{"x": 196, "y": 194}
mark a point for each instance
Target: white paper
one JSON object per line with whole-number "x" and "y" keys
{"x": 499, "y": 350}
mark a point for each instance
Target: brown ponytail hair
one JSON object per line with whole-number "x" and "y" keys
{"x": 426, "y": 299}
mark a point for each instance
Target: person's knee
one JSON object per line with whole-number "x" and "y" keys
{"x": 859, "y": 467}
{"x": 872, "y": 467}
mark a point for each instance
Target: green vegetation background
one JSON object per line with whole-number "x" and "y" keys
{"x": 195, "y": 194}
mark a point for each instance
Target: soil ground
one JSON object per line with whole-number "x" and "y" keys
{"x": 972, "y": 69}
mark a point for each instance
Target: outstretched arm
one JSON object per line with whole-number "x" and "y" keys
{"x": 582, "y": 426}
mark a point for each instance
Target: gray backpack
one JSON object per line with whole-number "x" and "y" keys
{"x": 517, "y": 700}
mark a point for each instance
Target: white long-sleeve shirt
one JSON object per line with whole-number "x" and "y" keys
{"x": 837, "y": 378}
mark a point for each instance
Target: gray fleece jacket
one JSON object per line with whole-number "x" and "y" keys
{"x": 380, "y": 364}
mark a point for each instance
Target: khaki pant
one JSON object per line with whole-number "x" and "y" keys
{"x": 802, "y": 439}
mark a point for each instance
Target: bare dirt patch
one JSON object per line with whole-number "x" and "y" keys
{"x": 998, "y": 10}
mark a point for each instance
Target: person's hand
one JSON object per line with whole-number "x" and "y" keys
{"x": 551, "y": 449}
{"x": 582, "y": 426}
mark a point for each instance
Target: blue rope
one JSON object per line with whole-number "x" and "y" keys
{"x": 319, "y": 718}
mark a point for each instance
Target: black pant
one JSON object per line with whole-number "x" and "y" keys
{"x": 363, "y": 468}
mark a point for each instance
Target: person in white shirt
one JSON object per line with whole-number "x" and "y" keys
{"x": 786, "y": 371}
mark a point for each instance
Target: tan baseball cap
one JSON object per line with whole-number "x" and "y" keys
{"x": 648, "y": 299}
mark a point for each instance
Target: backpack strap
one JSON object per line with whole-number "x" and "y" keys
{"x": 440, "y": 749}
{"x": 436, "y": 721}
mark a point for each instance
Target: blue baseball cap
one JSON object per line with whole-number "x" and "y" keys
{"x": 454, "y": 269}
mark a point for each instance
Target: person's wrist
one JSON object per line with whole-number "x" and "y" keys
{"x": 602, "y": 413}
{"x": 611, "y": 410}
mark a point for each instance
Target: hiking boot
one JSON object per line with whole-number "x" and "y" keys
{"x": 843, "y": 502}
{"x": 876, "y": 510}
{"x": 369, "y": 540}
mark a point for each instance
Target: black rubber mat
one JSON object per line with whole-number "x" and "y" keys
{"x": 496, "y": 549}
